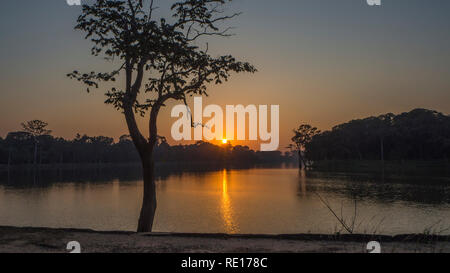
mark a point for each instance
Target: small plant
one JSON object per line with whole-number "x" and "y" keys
{"x": 348, "y": 227}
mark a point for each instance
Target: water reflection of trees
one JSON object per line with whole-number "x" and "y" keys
{"x": 105, "y": 174}
{"x": 377, "y": 187}
{"x": 31, "y": 178}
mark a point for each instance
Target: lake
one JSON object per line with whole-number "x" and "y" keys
{"x": 266, "y": 200}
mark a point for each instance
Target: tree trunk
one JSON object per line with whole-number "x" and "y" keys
{"x": 35, "y": 153}
{"x": 145, "y": 147}
{"x": 148, "y": 210}
{"x": 300, "y": 160}
{"x": 9, "y": 159}
{"x": 382, "y": 149}
{"x": 145, "y": 150}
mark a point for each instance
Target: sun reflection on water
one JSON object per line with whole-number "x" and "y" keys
{"x": 226, "y": 207}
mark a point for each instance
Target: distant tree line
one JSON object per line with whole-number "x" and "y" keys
{"x": 417, "y": 135}
{"x": 25, "y": 148}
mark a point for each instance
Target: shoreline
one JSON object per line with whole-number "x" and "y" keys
{"x": 178, "y": 165}
{"x": 54, "y": 240}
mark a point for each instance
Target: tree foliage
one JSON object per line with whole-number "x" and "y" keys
{"x": 417, "y": 135}
{"x": 17, "y": 148}
{"x": 36, "y": 128}
{"x": 160, "y": 59}
{"x": 303, "y": 136}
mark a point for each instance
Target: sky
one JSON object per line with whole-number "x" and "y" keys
{"x": 323, "y": 62}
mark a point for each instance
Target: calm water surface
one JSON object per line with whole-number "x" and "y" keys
{"x": 270, "y": 200}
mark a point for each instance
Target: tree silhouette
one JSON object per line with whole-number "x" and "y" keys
{"x": 420, "y": 134}
{"x": 161, "y": 61}
{"x": 36, "y": 128}
{"x": 303, "y": 136}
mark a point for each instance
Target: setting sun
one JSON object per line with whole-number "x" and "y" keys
{"x": 224, "y": 141}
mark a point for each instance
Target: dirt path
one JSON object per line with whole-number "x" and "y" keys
{"x": 45, "y": 240}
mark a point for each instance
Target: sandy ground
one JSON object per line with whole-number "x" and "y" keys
{"x": 46, "y": 240}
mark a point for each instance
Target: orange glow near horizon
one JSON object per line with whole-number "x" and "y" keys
{"x": 224, "y": 141}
